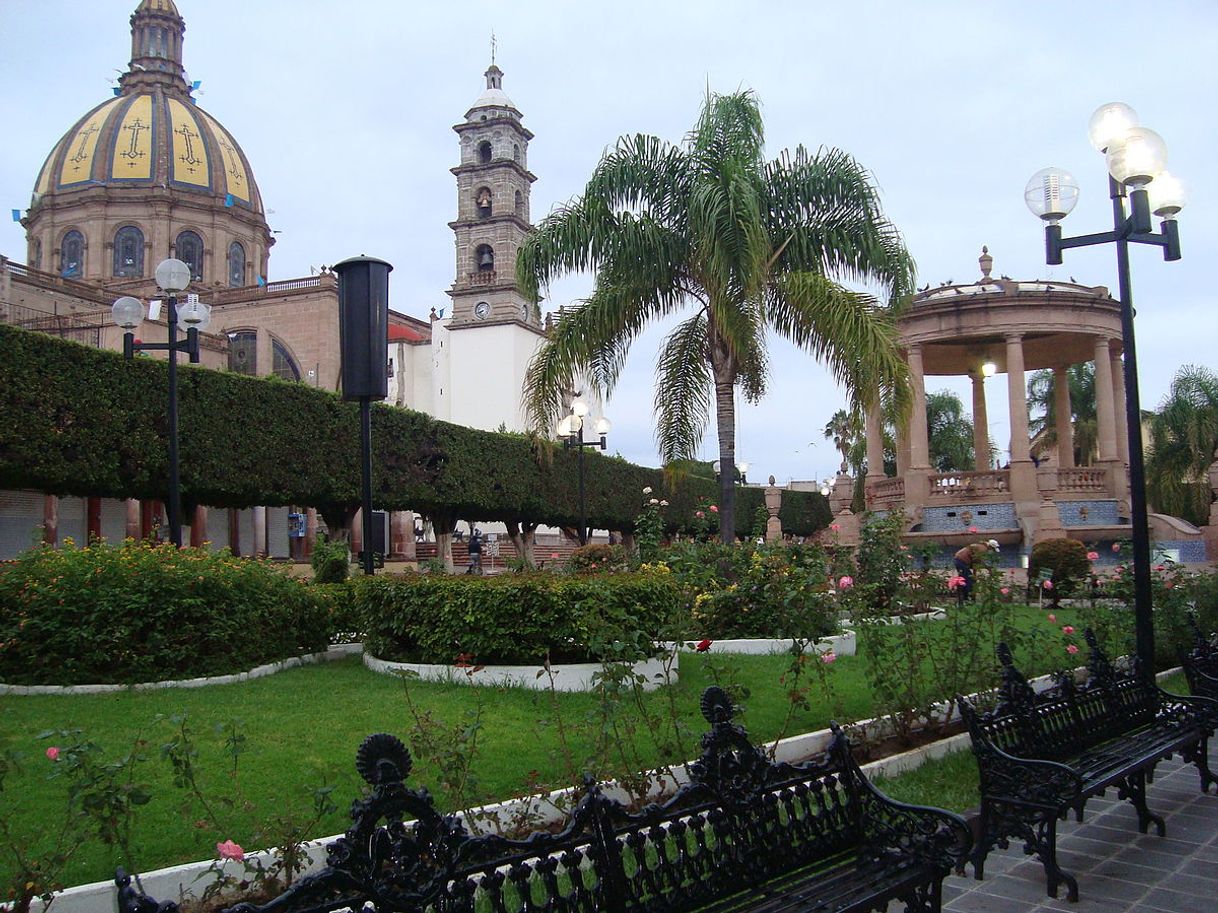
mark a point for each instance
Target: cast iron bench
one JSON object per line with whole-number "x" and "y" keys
{"x": 1201, "y": 663}
{"x": 744, "y": 834}
{"x": 1042, "y": 755}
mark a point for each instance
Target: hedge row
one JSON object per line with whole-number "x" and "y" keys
{"x": 86, "y": 422}
{"x": 516, "y": 618}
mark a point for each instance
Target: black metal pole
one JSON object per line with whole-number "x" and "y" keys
{"x": 583, "y": 506}
{"x": 1144, "y": 624}
{"x": 365, "y": 421}
{"x": 173, "y": 508}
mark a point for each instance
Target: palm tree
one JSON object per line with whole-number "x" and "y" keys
{"x": 1042, "y": 411}
{"x": 749, "y": 246}
{"x": 949, "y": 433}
{"x": 1183, "y": 438}
{"x": 845, "y": 429}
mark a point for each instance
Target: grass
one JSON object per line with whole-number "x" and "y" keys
{"x": 302, "y": 728}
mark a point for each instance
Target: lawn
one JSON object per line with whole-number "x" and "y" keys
{"x": 302, "y": 727}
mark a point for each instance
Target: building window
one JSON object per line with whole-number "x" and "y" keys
{"x": 243, "y": 352}
{"x": 519, "y": 204}
{"x": 485, "y": 258}
{"x": 72, "y": 255}
{"x": 484, "y": 152}
{"x": 282, "y": 364}
{"x": 189, "y": 249}
{"x": 36, "y": 254}
{"x": 236, "y": 265}
{"x": 516, "y": 152}
{"x": 128, "y": 252}
{"x": 483, "y": 199}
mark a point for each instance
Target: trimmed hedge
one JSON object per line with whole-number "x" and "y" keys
{"x": 513, "y": 618}
{"x": 136, "y": 613}
{"x": 87, "y": 422}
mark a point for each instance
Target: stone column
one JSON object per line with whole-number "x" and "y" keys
{"x": 310, "y": 531}
{"x": 1023, "y": 473}
{"x": 902, "y": 451}
{"x": 1105, "y": 409}
{"x": 981, "y": 424}
{"x": 133, "y": 519}
{"x": 1065, "y": 410}
{"x": 773, "y": 503}
{"x": 234, "y": 531}
{"x": 401, "y": 535}
{"x": 50, "y": 520}
{"x": 919, "y": 446}
{"x": 198, "y": 527}
{"x": 1118, "y": 396}
{"x": 259, "y": 547}
{"x": 357, "y": 534}
{"x": 875, "y": 444}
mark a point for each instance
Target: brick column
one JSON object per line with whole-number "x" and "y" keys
{"x": 1064, "y": 410}
{"x": 198, "y": 527}
{"x": 981, "y": 424}
{"x": 93, "y": 515}
{"x": 1105, "y": 408}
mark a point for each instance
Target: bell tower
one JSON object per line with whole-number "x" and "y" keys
{"x": 493, "y": 183}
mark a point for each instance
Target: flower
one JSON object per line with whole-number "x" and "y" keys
{"x": 714, "y": 509}
{"x": 955, "y": 581}
{"x": 1052, "y": 618}
{"x": 1116, "y": 547}
{"x": 699, "y": 514}
{"x": 1005, "y": 591}
{"x": 835, "y": 526}
{"x": 972, "y": 529}
{"x": 828, "y": 657}
{"x": 1093, "y": 556}
{"x": 647, "y": 490}
{"x": 845, "y": 583}
{"x": 654, "y": 501}
{"x": 1068, "y": 629}
{"x": 1160, "y": 567}
{"x": 230, "y": 850}
{"x": 703, "y": 645}
{"x": 1048, "y": 584}
{"x": 555, "y": 555}
{"x": 53, "y": 753}
{"x": 1071, "y": 649}
{"x": 663, "y": 503}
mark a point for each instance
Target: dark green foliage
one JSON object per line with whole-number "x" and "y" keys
{"x": 136, "y": 613}
{"x": 86, "y": 422}
{"x": 600, "y": 558}
{"x": 881, "y": 562}
{"x": 513, "y": 618}
{"x": 331, "y": 561}
{"x": 1066, "y": 560}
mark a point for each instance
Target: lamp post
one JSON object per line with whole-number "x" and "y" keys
{"x": 571, "y": 430}
{"x": 172, "y": 277}
{"x": 741, "y": 471}
{"x": 1136, "y": 159}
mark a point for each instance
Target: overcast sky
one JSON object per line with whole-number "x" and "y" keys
{"x": 345, "y": 112}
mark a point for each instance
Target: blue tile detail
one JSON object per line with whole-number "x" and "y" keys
{"x": 982, "y": 516}
{"x": 1088, "y": 513}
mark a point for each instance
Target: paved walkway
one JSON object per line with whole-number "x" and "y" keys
{"x": 1117, "y": 868}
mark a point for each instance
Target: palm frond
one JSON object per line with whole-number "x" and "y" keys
{"x": 683, "y": 390}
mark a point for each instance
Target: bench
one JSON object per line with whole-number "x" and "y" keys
{"x": 1042, "y": 755}
{"x": 744, "y": 833}
{"x": 1201, "y": 662}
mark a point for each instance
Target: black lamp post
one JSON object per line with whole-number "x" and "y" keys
{"x": 172, "y": 277}
{"x": 741, "y": 472}
{"x": 571, "y": 431}
{"x": 1136, "y": 159}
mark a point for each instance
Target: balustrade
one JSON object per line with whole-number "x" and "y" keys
{"x": 948, "y": 486}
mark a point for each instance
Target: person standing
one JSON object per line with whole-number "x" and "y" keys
{"x": 475, "y": 551}
{"x": 966, "y": 559}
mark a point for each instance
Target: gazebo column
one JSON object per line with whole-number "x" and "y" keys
{"x": 133, "y": 519}
{"x": 259, "y": 547}
{"x": 1064, "y": 412}
{"x": 1023, "y": 474}
{"x": 875, "y": 444}
{"x": 917, "y": 481}
{"x": 981, "y": 425}
{"x": 1105, "y": 408}
{"x": 1122, "y": 422}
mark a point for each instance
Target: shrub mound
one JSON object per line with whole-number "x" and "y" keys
{"x": 1066, "y": 560}
{"x": 140, "y": 613}
{"x": 512, "y": 618}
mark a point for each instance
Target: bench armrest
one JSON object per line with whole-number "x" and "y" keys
{"x": 1184, "y": 709}
{"x": 1025, "y": 781}
{"x": 931, "y": 835}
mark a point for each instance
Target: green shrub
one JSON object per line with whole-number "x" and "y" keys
{"x": 599, "y": 558}
{"x": 140, "y": 613}
{"x": 331, "y": 560}
{"x": 881, "y": 562}
{"x": 517, "y": 618}
{"x": 1066, "y": 560}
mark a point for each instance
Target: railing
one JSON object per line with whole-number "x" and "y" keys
{"x": 482, "y": 277}
{"x": 87, "y": 332}
{"x": 40, "y": 277}
{"x": 1083, "y": 478}
{"x": 285, "y": 285}
{"x": 986, "y": 483}
{"x": 888, "y": 492}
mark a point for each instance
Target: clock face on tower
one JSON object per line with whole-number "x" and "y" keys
{"x": 524, "y": 312}
{"x": 482, "y": 310}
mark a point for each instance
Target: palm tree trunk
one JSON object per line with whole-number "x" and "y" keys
{"x": 725, "y": 418}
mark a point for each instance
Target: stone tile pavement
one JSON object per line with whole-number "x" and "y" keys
{"x": 1117, "y": 868}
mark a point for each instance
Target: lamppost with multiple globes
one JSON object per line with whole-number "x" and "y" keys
{"x": 172, "y": 277}
{"x": 741, "y": 471}
{"x": 571, "y": 431}
{"x": 1137, "y": 160}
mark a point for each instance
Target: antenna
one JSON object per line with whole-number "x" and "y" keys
{"x": 492, "y": 47}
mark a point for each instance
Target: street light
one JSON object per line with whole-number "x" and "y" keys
{"x": 1136, "y": 158}
{"x": 571, "y": 430}
{"x": 172, "y": 277}
{"x": 741, "y": 471}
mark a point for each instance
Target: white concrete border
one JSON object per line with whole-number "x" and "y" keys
{"x": 842, "y": 644}
{"x": 567, "y": 676}
{"x": 335, "y": 652}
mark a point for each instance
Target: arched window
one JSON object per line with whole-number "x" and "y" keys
{"x": 282, "y": 364}
{"x": 483, "y": 200}
{"x": 236, "y": 265}
{"x": 72, "y": 255}
{"x": 243, "y": 352}
{"x": 484, "y": 152}
{"x": 519, "y": 204}
{"x": 129, "y": 252}
{"x": 36, "y": 254}
{"x": 189, "y": 249}
{"x": 516, "y": 152}
{"x": 484, "y": 257}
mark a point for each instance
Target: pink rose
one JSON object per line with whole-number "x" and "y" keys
{"x": 703, "y": 645}
{"x": 714, "y": 509}
{"x": 1159, "y": 567}
{"x": 835, "y": 526}
{"x": 1116, "y": 547}
{"x": 1053, "y": 618}
{"x": 972, "y": 529}
{"x": 230, "y": 850}
{"x": 53, "y": 753}
{"x": 1071, "y": 649}
{"x": 1168, "y": 585}
{"x": 699, "y": 515}
{"x": 1048, "y": 584}
{"x": 845, "y": 583}
{"x": 1093, "y": 556}
{"x": 828, "y": 657}
{"x": 1005, "y": 591}
{"x": 954, "y": 582}
{"x": 1068, "y": 629}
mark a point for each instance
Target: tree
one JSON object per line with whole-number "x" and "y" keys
{"x": 1183, "y": 438}
{"x": 949, "y": 433}
{"x": 845, "y": 429}
{"x": 749, "y": 245}
{"x": 1042, "y": 411}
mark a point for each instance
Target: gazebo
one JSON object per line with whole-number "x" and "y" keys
{"x": 995, "y": 326}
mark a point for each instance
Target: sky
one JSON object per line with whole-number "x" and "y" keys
{"x": 345, "y": 113}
